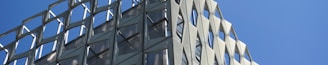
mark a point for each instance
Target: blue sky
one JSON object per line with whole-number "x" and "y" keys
{"x": 281, "y": 32}
{"x": 277, "y": 32}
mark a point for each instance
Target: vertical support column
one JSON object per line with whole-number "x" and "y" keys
{"x": 89, "y": 31}
{"x": 144, "y": 31}
{"x": 116, "y": 19}
{"x": 31, "y": 57}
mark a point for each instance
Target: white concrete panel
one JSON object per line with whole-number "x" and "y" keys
{"x": 244, "y": 61}
{"x": 200, "y": 4}
{"x": 204, "y": 59}
{"x": 241, "y": 47}
{"x": 211, "y": 5}
{"x": 235, "y": 62}
{"x": 231, "y": 44}
{"x": 222, "y": 48}
{"x": 210, "y": 55}
{"x": 226, "y": 26}
{"x": 177, "y": 52}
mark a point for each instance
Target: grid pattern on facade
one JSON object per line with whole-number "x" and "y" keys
{"x": 149, "y": 32}
{"x": 217, "y": 42}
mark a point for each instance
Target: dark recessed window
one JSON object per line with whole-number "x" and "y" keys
{"x": 210, "y": 38}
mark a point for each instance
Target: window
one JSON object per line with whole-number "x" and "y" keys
{"x": 227, "y": 59}
{"x": 198, "y": 50}
{"x": 206, "y": 13}
{"x": 180, "y": 26}
{"x": 157, "y": 58}
{"x": 193, "y": 17}
{"x": 210, "y": 38}
{"x": 184, "y": 59}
